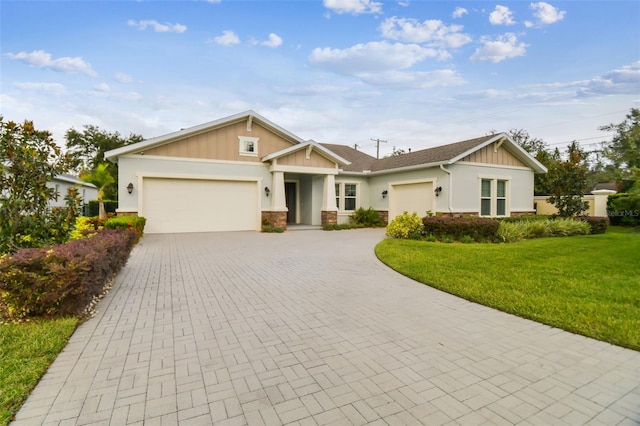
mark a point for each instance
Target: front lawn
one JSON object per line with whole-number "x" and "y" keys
{"x": 26, "y": 350}
{"x": 588, "y": 285}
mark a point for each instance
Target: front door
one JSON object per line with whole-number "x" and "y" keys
{"x": 290, "y": 191}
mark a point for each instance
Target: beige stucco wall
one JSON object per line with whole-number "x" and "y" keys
{"x": 544, "y": 207}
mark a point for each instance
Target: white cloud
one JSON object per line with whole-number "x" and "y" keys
{"x": 501, "y": 16}
{"x": 121, "y": 77}
{"x": 226, "y": 39}
{"x": 157, "y": 27}
{"x": 431, "y": 31}
{"x": 53, "y": 88}
{"x": 503, "y": 47}
{"x": 413, "y": 80}
{"x": 42, "y": 59}
{"x": 353, "y": 7}
{"x": 545, "y": 13}
{"x": 102, "y": 87}
{"x": 371, "y": 57}
{"x": 273, "y": 42}
{"x": 459, "y": 12}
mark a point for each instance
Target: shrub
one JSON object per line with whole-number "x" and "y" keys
{"x": 510, "y": 232}
{"x": 457, "y": 228}
{"x": 85, "y": 227}
{"x": 272, "y": 229}
{"x": 369, "y": 217}
{"x": 61, "y": 280}
{"x": 341, "y": 226}
{"x": 135, "y": 223}
{"x": 598, "y": 224}
{"x": 93, "y": 207}
{"x": 624, "y": 209}
{"x": 406, "y": 226}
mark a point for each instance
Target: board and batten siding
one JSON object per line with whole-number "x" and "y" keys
{"x": 223, "y": 144}
{"x": 299, "y": 158}
{"x": 489, "y": 155}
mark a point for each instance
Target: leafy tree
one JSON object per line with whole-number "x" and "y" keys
{"x": 530, "y": 144}
{"x": 88, "y": 147}
{"x": 539, "y": 150}
{"x": 30, "y": 158}
{"x": 101, "y": 177}
{"x": 568, "y": 183}
{"x": 396, "y": 152}
{"x": 624, "y": 149}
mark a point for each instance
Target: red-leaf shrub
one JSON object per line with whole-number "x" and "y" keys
{"x": 479, "y": 229}
{"x": 61, "y": 280}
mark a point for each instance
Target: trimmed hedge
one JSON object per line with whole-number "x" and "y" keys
{"x": 459, "y": 228}
{"x": 93, "y": 207}
{"x": 598, "y": 224}
{"x": 624, "y": 209}
{"x": 135, "y": 223}
{"x": 61, "y": 280}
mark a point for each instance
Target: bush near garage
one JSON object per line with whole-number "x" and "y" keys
{"x": 61, "y": 280}
{"x": 406, "y": 226}
{"x": 135, "y": 223}
{"x": 461, "y": 228}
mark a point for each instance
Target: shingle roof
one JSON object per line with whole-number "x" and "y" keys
{"x": 439, "y": 154}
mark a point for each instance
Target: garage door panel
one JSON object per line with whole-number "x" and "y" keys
{"x": 411, "y": 197}
{"x": 195, "y": 205}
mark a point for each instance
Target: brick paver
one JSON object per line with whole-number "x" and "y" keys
{"x": 308, "y": 328}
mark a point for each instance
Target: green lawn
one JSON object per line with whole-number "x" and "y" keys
{"x": 588, "y": 285}
{"x": 26, "y": 351}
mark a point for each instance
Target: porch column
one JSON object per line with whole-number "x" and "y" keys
{"x": 276, "y": 216}
{"x": 329, "y": 213}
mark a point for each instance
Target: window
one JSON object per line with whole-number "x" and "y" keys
{"x": 248, "y": 146}
{"x": 493, "y": 197}
{"x": 346, "y": 196}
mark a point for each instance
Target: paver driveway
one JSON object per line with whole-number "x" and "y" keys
{"x": 308, "y": 327}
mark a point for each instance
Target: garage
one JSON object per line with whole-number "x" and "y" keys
{"x": 411, "y": 197}
{"x": 199, "y": 205}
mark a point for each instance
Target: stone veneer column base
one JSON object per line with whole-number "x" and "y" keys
{"x": 329, "y": 217}
{"x": 123, "y": 213}
{"x": 384, "y": 215}
{"x": 275, "y": 219}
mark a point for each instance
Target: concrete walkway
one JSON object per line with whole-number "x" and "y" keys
{"x": 310, "y": 328}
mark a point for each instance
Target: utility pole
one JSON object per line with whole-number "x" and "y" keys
{"x": 377, "y": 141}
{"x": 355, "y": 146}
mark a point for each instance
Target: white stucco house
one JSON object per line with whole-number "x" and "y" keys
{"x": 61, "y": 183}
{"x": 234, "y": 173}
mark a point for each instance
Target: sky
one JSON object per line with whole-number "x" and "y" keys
{"x": 415, "y": 74}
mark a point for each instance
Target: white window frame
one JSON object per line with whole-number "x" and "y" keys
{"x": 243, "y": 144}
{"x": 494, "y": 196}
{"x": 340, "y": 196}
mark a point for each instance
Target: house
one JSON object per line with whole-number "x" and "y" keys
{"x": 240, "y": 171}
{"x": 61, "y": 183}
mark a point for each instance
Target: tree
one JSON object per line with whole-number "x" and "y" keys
{"x": 101, "y": 178}
{"x": 539, "y": 150}
{"x": 30, "y": 158}
{"x": 88, "y": 147}
{"x": 396, "y": 152}
{"x": 624, "y": 149}
{"x": 568, "y": 183}
{"x": 530, "y": 144}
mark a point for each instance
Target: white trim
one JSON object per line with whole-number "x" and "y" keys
{"x": 409, "y": 182}
{"x": 390, "y": 194}
{"x": 493, "y": 166}
{"x": 303, "y": 170}
{"x": 493, "y": 207}
{"x": 321, "y": 150}
{"x": 341, "y": 202}
{"x": 242, "y": 145}
{"x": 193, "y": 160}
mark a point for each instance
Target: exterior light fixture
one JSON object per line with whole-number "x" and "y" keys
{"x": 267, "y": 191}
{"x": 384, "y": 193}
{"x": 438, "y": 190}
{"x": 130, "y": 188}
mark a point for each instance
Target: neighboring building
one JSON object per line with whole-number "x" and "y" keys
{"x": 234, "y": 173}
{"x": 61, "y": 183}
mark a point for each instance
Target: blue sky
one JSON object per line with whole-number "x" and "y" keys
{"x": 414, "y": 73}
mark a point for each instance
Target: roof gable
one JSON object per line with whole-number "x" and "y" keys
{"x": 310, "y": 147}
{"x": 247, "y": 118}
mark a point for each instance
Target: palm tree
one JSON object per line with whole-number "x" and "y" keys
{"x": 100, "y": 177}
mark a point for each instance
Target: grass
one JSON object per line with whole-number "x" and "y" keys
{"x": 589, "y": 285}
{"x": 26, "y": 351}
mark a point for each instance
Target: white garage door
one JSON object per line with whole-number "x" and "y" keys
{"x": 195, "y": 205}
{"x": 411, "y": 197}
